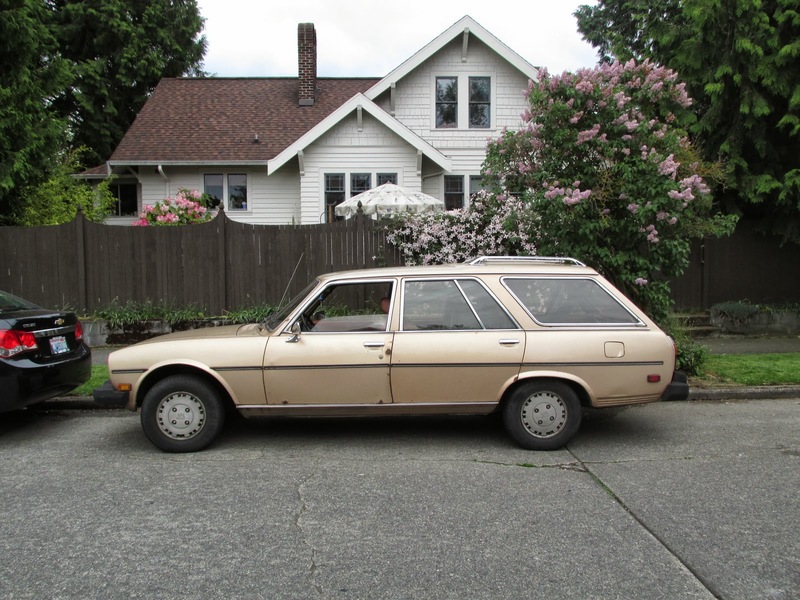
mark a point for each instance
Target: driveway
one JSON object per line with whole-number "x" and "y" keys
{"x": 672, "y": 500}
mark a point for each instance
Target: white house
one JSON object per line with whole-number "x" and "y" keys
{"x": 287, "y": 150}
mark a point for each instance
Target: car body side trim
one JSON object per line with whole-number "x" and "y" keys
{"x": 644, "y": 363}
{"x": 346, "y": 410}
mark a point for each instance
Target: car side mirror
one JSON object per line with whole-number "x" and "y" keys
{"x": 295, "y": 330}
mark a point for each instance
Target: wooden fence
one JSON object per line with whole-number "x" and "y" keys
{"x": 226, "y": 265}
{"x": 219, "y": 265}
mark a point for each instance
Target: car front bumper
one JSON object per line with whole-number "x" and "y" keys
{"x": 108, "y": 397}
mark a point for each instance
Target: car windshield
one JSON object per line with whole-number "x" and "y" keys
{"x": 276, "y": 318}
{"x": 9, "y": 302}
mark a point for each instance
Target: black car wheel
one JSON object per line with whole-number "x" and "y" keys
{"x": 182, "y": 414}
{"x": 542, "y": 415}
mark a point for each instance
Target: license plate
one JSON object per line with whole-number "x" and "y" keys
{"x": 58, "y": 345}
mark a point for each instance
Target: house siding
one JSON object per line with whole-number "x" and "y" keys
{"x": 346, "y": 149}
{"x": 271, "y": 200}
{"x": 414, "y": 97}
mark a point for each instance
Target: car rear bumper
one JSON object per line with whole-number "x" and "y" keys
{"x": 25, "y": 382}
{"x": 678, "y": 389}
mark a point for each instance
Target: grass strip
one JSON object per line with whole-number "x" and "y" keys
{"x": 753, "y": 369}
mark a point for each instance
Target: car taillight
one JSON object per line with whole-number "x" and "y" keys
{"x": 13, "y": 342}
{"x": 78, "y": 331}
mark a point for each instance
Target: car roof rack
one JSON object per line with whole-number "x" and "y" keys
{"x": 557, "y": 260}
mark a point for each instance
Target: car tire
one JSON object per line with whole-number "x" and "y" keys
{"x": 197, "y": 403}
{"x": 542, "y": 415}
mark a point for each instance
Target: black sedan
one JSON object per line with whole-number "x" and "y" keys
{"x": 42, "y": 353}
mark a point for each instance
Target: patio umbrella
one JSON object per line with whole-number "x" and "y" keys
{"x": 388, "y": 198}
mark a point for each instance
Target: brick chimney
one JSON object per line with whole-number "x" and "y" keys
{"x": 307, "y": 63}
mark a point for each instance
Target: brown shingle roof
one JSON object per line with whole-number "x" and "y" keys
{"x": 215, "y": 119}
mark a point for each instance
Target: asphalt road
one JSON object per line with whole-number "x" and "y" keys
{"x": 672, "y": 500}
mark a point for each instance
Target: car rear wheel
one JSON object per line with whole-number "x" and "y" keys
{"x": 542, "y": 415}
{"x": 182, "y": 414}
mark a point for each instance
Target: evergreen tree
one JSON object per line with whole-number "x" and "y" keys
{"x": 119, "y": 50}
{"x": 31, "y": 75}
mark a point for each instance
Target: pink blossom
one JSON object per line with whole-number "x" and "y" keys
{"x": 585, "y": 136}
{"x": 640, "y": 281}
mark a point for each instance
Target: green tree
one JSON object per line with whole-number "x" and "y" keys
{"x": 119, "y": 50}
{"x": 741, "y": 62}
{"x": 31, "y": 75}
{"x": 57, "y": 199}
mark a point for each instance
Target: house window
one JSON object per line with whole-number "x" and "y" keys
{"x": 237, "y": 192}
{"x": 387, "y": 178}
{"x": 446, "y": 102}
{"x": 360, "y": 182}
{"x": 480, "y": 98}
{"x": 212, "y": 187}
{"x": 334, "y": 194}
{"x": 453, "y": 192}
{"x": 127, "y": 203}
{"x": 475, "y": 185}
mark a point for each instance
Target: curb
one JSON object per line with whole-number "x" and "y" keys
{"x": 766, "y": 392}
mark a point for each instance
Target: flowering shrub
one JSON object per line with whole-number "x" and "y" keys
{"x": 601, "y": 170}
{"x": 184, "y": 209}
{"x": 487, "y": 227}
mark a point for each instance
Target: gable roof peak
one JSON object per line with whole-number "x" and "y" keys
{"x": 466, "y": 26}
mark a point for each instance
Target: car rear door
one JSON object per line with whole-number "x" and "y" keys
{"x": 456, "y": 343}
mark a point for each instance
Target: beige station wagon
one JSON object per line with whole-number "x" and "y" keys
{"x": 535, "y": 338}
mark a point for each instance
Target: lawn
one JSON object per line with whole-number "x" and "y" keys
{"x": 99, "y": 376}
{"x": 751, "y": 369}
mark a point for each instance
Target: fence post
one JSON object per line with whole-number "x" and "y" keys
{"x": 223, "y": 253}
{"x": 80, "y": 241}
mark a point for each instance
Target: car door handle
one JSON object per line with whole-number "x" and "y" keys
{"x": 374, "y": 344}
{"x": 508, "y": 342}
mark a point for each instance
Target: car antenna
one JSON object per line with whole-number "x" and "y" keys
{"x": 291, "y": 279}
{"x": 285, "y": 292}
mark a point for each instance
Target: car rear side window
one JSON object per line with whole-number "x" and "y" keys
{"x": 449, "y": 305}
{"x": 569, "y": 302}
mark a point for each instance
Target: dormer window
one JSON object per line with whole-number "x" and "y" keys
{"x": 468, "y": 105}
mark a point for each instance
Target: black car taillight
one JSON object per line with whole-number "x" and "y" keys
{"x": 13, "y": 342}
{"x": 78, "y": 331}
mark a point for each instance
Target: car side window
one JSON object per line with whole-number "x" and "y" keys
{"x": 488, "y": 310}
{"x": 351, "y": 306}
{"x": 451, "y": 305}
{"x": 553, "y": 301}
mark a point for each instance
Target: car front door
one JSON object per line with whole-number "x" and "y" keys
{"x": 456, "y": 344}
{"x": 341, "y": 353}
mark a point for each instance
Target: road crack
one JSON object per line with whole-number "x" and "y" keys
{"x": 298, "y": 522}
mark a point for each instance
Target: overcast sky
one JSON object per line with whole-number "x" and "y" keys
{"x": 369, "y": 38}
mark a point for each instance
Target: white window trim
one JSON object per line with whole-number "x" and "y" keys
{"x": 225, "y": 192}
{"x": 467, "y": 199}
{"x": 462, "y": 118}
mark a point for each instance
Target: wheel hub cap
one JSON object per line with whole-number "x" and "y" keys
{"x": 544, "y": 414}
{"x": 181, "y": 415}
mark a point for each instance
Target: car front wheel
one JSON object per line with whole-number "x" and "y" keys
{"x": 542, "y": 415}
{"x": 182, "y": 414}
